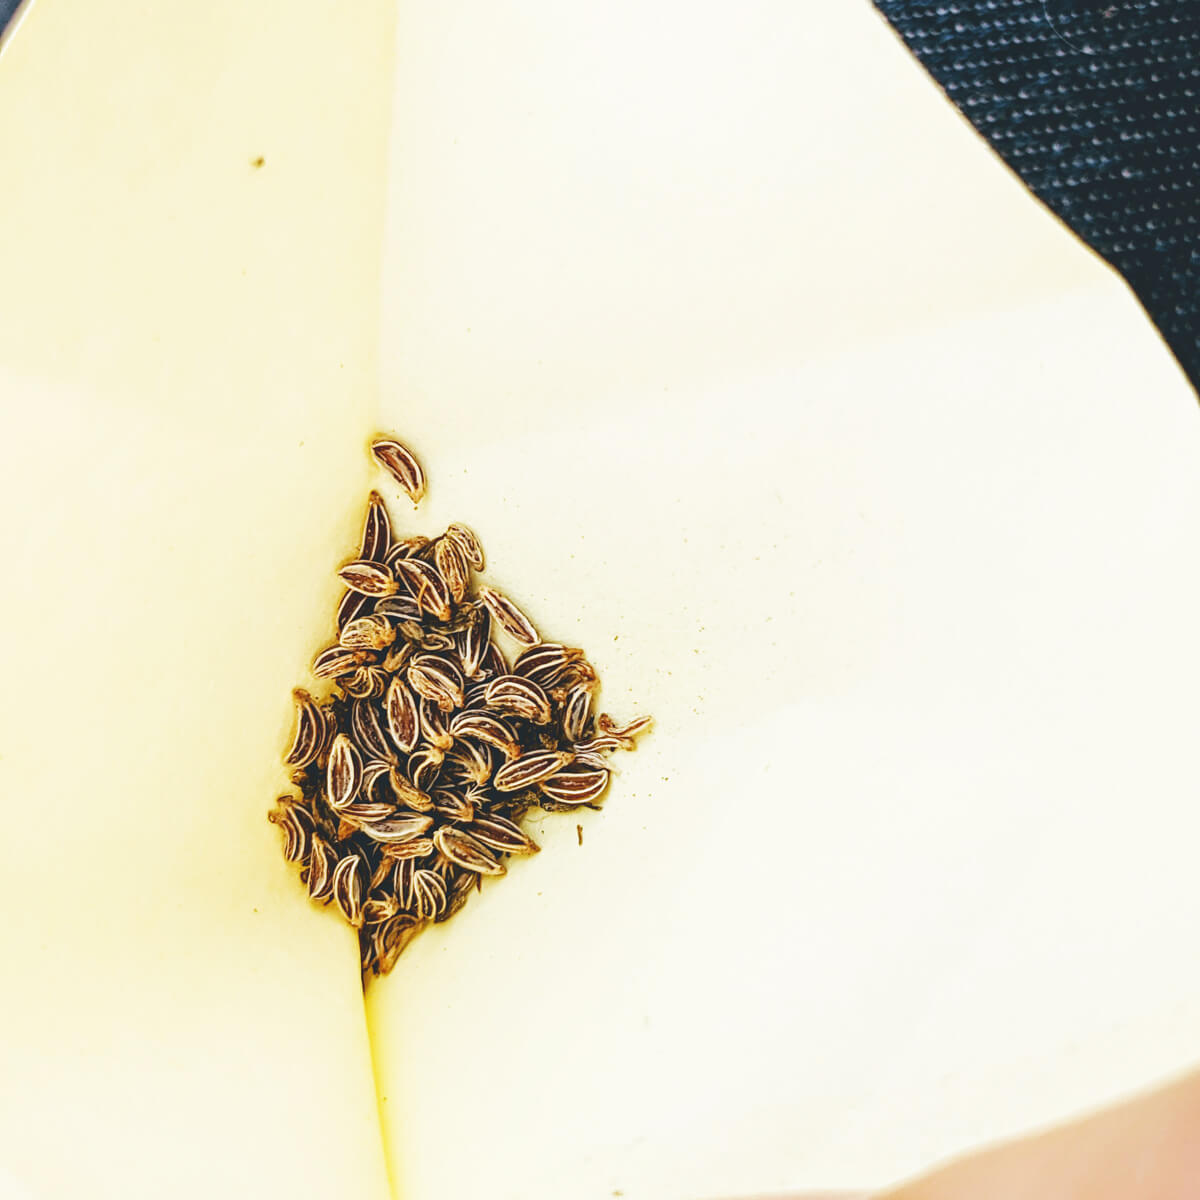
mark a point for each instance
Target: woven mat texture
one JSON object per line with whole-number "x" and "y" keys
{"x": 1096, "y": 105}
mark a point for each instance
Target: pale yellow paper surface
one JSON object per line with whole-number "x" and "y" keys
{"x": 764, "y": 381}
{"x": 187, "y": 372}
{"x": 888, "y": 516}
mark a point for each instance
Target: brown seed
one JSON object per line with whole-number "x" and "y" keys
{"x": 458, "y": 897}
{"x": 401, "y": 607}
{"x": 297, "y": 827}
{"x": 335, "y": 661}
{"x": 408, "y": 547}
{"x": 417, "y": 848}
{"x": 433, "y": 725}
{"x": 311, "y": 730}
{"x": 379, "y": 908}
{"x": 453, "y": 805}
{"x": 602, "y": 744}
{"x": 576, "y": 785}
{"x": 377, "y": 530}
{"x": 320, "y": 869}
{"x": 472, "y": 761}
{"x": 577, "y": 709}
{"x": 374, "y": 769}
{"x": 509, "y": 617}
{"x": 408, "y": 795}
{"x": 405, "y": 869}
{"x": 397, "y": 657}
{"x": 520, "y": 696}
{"x": 548, "y": 664}
{"x": 368, "y": 730}
{"x": 347, "y": 886}
{"x": 591, "y": 758}
{"x": 472, "y": 641}
{"x": 424, "y": 765}
{"x": 464, "y": 850}
{"x": 486, "y": 727}
{"x": 626, "y": 733}
{"x": 398, "y": 829}
{"x": 494, "y": 662}
{"x": 426, "y": 585}
{"x": 388, "y": 943}
{"x": 365, "y": 682}
{"x": 530, "y": 769}
{"x": 367, "y": 633}
{"x": 362, "y": 813}
{"x": 468, "y": 543}
{"x": 452, "y": 567}
{"x": 381, "y": 876}
{"x": 397, "y": 459}
{"x": 499, "y": 833}
{"x": 344, "y": 772}
{"x": 437, "y": 678}
{"x": 369, "y": 578}
{"x": 353, "y": 604}
{"x": 401, "y": 709}
{"x": 429, "y": 894}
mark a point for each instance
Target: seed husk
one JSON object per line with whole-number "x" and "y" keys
{"x": 472, "y": 642}
{"x": 437, "y": 678}
{"x": 348, "y": 888}
{"x": 576, "y": 785}
{"x": 320, "y": 869}
{"x": 499, "y": 833}
{"x": 377, "y": 530}
{"x": 311, "y": 730}
{"x": 428, "y": 894}
{"x": 452, "y": 567}
{"x": 335, "y": 661}
{"x": 530, "y": 769}
{"x": 548, "y": 664}
{"x": 344, "y": 773}
{"x": 509, "y": 617}
{"x": 372, "y": 632}
{"x": 353, "y": 604}
{"x": 408, "y": 794}
{"x": 368, "y": 730}
{"x": 463, "y": 849}
{"x": 577, "y": 708}
{"x": 465, "y": 539}
{"x": 369, "y": 578}
{"x": 487, "y": 727}
{"x": 392, "y": 830}
{"x": 521, "y": 697}
{"x": 426, "y": 585}
{"x": 399, "y": 462}
{"x": 402, "y": 722}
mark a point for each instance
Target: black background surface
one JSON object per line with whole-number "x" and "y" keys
{"x": 1096, "y": 105}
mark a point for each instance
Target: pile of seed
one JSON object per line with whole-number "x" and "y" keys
{"x": 416, "y": 770}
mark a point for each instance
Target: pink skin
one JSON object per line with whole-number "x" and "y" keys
{"x": 1145, "y": 1148}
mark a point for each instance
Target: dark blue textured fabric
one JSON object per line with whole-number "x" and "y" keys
{"x": 7, "y": 8}
{"x": 1096, "y": 105}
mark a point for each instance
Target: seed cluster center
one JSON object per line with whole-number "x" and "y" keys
{"x": 415, "y": 771}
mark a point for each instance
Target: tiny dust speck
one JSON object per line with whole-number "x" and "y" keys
{"x": 257, "y": 162}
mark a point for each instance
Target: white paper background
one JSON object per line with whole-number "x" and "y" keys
{"x": 762, "y": 380}
{"x": 187, "y": 369}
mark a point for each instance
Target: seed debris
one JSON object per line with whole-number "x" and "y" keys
{"x": 416, "y": 771}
